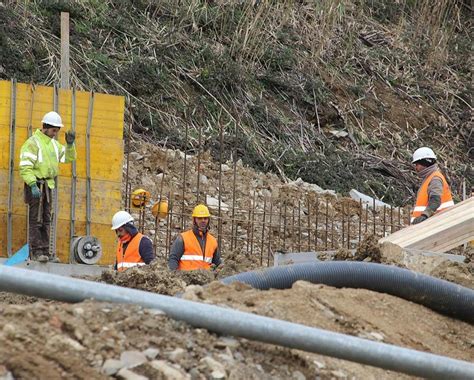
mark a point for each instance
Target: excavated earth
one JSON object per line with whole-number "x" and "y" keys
{"x": 44, "y": 339}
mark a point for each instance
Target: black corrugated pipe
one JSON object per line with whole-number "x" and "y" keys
{"x": 439, "y": 295}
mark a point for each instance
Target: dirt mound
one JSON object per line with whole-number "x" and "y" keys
{"x": 368, "y": 250}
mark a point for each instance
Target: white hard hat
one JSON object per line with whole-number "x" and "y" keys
{"x": 120, "y": 218}
{"x": 422, "y": 153}
{"x": 52, "y": 118}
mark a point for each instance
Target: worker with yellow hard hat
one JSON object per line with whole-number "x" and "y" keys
{"x": 195, "y": 248}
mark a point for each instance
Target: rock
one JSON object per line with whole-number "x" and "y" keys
{"x": 225, "y": 168}
{"x": 213, "y": 364}
{"x": 320, "y": 365}
{"x": 111, "y": 367}
{"x": 151, "y": 353}
{"x": 126, "y": 374}
{"x": 132, "y": 359}
{"x": 176, "y": 355}
{"x": 58, "y": 341}
{"x": 224, "y": 342}
{"x": 5, "y": 374}
{"x": 214, "y": 203}
{"x": 136, "y": 156}
{"x": 168, "y": 371}
{"x": 203, "y": 179}
{"x": 339, "y": 374}
{"x": 216, "y": 375}
{"x": 78, "y": 311}
{"x": 297, "y": 375}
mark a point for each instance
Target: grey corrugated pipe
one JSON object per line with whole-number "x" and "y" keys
{"x": 231, "y": 322}
{"x": 439, "y": 295}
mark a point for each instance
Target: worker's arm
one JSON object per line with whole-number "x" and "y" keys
{"x": 28, "y": 158}
{"x": 146, "y": 250}
{"x": 435, "y": 189}
{"x": 176, "y": 252}
{"x": 216, "y": 258}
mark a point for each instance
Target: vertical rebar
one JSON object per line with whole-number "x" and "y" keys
{"x": 127, "y": 157}
{"x": 234, "y": 182}
{"x": 280, "y": 207}
{"x": 11, "y": 168}
{"x": 399, "y": 218}
{"x": 183, "y": 201}
{"x": 309, "y": 223}
{"x": 384, "y": 220}
{"x": 348, "y": 226}
{"x": 409, "y": 215}
{"x": 326, "y": 232}
{"x": 360, "y": 219}
{"x": 72, "y": 223}
{"x": 270, "y": 235}
{"x": 29, "y": 133}
{"x": 293, "y": 234}
{"x": 299, "y": 225}
{"x": 332, "y": 234}
{"x": 284, "y": 227}
{"x": 219, "y": 196}
{"x": 88, "y": 165}
{"x": 366, "y": 218}
{"x": 198, "y": 192}
{"x": 316, "y": 227}
{"x": 391, "y": 219}
{"x": 373, "y": 213}
{"x": 343, "y": 225}
{"x": 263, "y": 230}
{"x": 252, "y": 225}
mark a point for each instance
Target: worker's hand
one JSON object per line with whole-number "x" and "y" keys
{"x": 419, "y": 219}
{"x": 35, "y": 191}
{"x": 70, "y": 137}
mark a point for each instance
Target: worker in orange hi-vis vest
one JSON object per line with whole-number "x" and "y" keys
{"x": 434, "y": 194}
{"x": 195, "y": 248}
{"x": 133, "y": 248}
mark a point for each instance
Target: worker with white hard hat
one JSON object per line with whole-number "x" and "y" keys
{"x": 434, "y": 194}
{"x": 40, "y": 156}
{"x": 133, "y": 248}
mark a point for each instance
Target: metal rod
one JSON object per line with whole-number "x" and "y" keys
{"x": 11, "y": 167}
{"x": 219, "y": 195}
{"x": 373, "y": 213}
{"x": 308, "y": 221}
{"x": 72, "y": 224}
{"x": 343, "y": 222}
{"x": 399, "y": 218}
{"x": 186, "y": 131}
{"x": 284, "y": 227}
{"x": 348, "y": 226}
{"x": 299, "y": 225}
{"x": 326, "y": 237}
{"x": 316, "y": 228}
{"x": 360, "y": 219}
{"x": 252, "y": 224}
{"x": 30, "y": 133}
{"x": 127, "y": 158}
{"x": 55, "y": 194}
{"x": 198, "y": 193}
{"x": 270, "y": 235}
{"x": 391, "y": 219}
{"x": 366, "y": 218}
{"x": 263, "y": 231}
{"x": 384, "y": 220}
{"x": 88, "y": 164}
{"x": 293, "y": 237}
{"x": 230, "y": 322}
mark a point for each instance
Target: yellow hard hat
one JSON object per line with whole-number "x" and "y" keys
{"x": 201, "y": 211}
{"x": 160, "y": 209}
{"x": 140, "y": 198}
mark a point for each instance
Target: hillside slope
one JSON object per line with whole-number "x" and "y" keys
{"x": 338, "y": 93}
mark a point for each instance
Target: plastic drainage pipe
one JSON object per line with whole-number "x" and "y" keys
{"x": 231, "y": 322}
{"x": 439, "y": 295}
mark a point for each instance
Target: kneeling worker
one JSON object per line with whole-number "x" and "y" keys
{"x": 133, "y": 248}
{"x": 195, "y": 248}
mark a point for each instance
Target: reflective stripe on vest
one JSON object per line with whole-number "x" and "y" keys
{"x": 422, "y": 198}
{"x": 193, "y": 257}
{"x": 131, "y": 257}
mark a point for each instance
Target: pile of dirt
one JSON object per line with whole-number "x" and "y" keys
{"x": 368, "y": 250}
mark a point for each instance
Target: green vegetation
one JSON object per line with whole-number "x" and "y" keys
{"x": 338, "y": 93}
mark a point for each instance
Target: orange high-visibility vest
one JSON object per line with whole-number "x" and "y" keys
{"x": 131, "y": 257}
{"x": 193, "y": 256}
{"x": 422, "y": 197}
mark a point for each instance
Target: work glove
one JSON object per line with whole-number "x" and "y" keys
{"x": 35, "y": 191}
{"x": 70, "y": 137}
{"x": 419, "y": 219}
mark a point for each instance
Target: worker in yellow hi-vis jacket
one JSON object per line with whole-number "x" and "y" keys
{"x": 39, "y": 165}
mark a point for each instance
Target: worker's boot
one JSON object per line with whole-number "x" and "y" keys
{"x": 42, "y": 259}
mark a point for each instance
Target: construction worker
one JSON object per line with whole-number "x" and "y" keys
{"x": 195, "y": 248}
{"x": 434, "y": 194}
{"x": 40, "y": 156}
{"x": 133, "y": 248}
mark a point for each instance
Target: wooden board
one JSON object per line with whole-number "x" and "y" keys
{"x": 441, "y": 232}
{"x": 106, "y": 158}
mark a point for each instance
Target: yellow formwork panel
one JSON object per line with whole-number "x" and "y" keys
{"x": 106, "y": 158}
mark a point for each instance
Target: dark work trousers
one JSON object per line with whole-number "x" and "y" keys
{"x": 39, "y": 220}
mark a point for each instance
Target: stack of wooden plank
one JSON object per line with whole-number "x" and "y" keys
{"x": 441, "y": 232}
